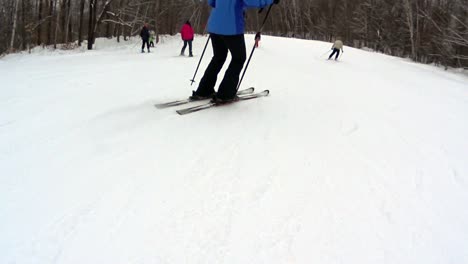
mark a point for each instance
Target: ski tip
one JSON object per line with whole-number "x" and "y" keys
{"x": 162, "y": 106}
{"x": 183, "y": 111}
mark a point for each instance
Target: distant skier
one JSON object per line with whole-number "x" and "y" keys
{"x": 258, "y": 37}
{"x": 337, "y": 46}
{"x": 226, "y": 28}
{"x": 151, "y": 38}
{"x": 187, "y": 36}
{"x": 145, "y": 35}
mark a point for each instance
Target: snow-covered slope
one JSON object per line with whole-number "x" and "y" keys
{"x": 359, "y": 161}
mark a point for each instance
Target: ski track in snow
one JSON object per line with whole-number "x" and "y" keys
{"x": 357, "y": 161}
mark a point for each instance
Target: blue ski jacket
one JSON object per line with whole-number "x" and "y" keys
{"x": 227, "y": 16}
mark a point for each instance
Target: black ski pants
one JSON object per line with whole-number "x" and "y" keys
{"x": 221, "y": 45}
{"x": 189, "y": 42}
{"x": 337, "y": 51}
{"x": 145, "y": 41}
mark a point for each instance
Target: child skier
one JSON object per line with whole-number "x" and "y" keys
{"x": 187, "y": 36}
{"x": 151, "y": 39}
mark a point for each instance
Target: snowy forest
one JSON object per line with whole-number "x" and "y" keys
{"x": 427, "y": 31}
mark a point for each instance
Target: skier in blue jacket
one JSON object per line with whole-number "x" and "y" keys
{"x": 226, "y": 28}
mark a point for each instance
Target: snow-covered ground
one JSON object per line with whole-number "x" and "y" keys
{"x": 359, "y": 161}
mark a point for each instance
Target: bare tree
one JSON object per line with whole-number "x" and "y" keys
{"x": 39, "y": 19}
{"x": 57, "y": 17}
{"x": 91, "y": 19}
{"x": 95, "y": 20}
{"x": 80, "y": 27}
{"x": 410, "y": 23}
{"x": 429, "y": 31}
{"x": 13, "y": 30}
{"x": 67, "y": 24}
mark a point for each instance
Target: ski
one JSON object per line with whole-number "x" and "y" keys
{"x": 213, "y": 104}
{"x": 188, "y": 100}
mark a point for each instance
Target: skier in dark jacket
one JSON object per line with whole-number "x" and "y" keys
{"x": 226, "y": 28}
{"x": 145, "y": 35}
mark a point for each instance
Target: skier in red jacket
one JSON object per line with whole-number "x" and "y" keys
{"x": 187, "y": 36}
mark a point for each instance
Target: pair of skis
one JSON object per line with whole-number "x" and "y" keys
{"x": 243, "y": 95}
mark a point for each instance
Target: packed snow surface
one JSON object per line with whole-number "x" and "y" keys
{"x": 364, "y": 160}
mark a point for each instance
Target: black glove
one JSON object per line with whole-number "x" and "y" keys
{"x": 276, "y": 2}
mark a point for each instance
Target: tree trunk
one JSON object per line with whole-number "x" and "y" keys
{"x": 67, "y": 26}
{"x": 80, "y": 29}
{"x": 57, "y": 15}
{"x": 410, "y": 24}
{"x": 65, "y": 11}
{"x": 51, "y": 12}
{"x": 39, "y": 27}
{"x": 23, "y": 27}
{"x": 118, "y": 32}
{"x": 13, "y": 31}
{"x": 92, "y": 11}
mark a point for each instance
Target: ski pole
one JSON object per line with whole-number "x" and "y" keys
{"x": 324, "y": 53}
{"x": 203, "y": 53}
{"x": 134, "y": 45}
{"x": 254, "y": 46}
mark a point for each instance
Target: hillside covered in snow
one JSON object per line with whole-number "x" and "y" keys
{"x": 364, "y": 160}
